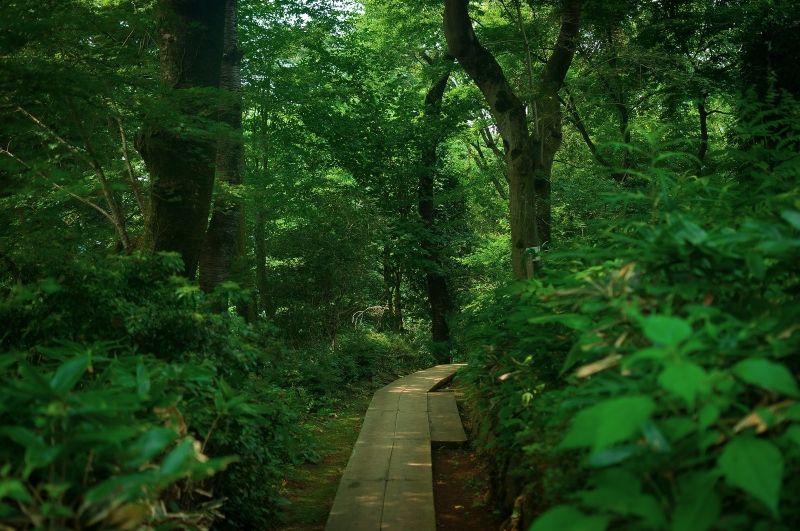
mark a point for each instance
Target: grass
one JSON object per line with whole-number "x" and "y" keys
{"x": 311, "y": 487}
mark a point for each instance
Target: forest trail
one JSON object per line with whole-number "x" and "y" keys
{"x": 388, "y": 482}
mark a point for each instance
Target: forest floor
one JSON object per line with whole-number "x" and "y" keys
{"x": 460, "y": 476}
{"x": 311, "y": 487}
{"x": 461, "y": 483}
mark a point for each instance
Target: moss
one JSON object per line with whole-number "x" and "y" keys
{"x": 311, "y": 487}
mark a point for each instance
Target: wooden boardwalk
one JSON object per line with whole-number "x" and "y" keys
{"x": 388, "y": 482}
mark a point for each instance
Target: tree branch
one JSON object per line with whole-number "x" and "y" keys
{"x": 132, "y": 178}
{"x": 57, "y": 186}
{"x": 557, "y": 65}
{"x": 483, "y": 68}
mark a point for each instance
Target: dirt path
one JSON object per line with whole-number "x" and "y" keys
{"x": 461, "y": 486}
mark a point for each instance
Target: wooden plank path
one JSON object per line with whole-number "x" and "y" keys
{"x": 388, "y": 482}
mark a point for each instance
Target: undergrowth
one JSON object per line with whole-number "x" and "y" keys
{"x": 127, "y": 400}
{"x": 647, "y": 379}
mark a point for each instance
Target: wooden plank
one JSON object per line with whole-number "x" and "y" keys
{"x": 411, "y": 460}
{"x": 408, "y": 506}
{"x": 445, "y": 421}
{"x": 388, "y": 482}
{"x": 358, "y": 506}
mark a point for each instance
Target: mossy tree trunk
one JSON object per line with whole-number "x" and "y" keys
{"x": 176, "y": 143}
{"x": 223, "y": 245}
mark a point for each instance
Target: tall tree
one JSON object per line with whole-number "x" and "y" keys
{"x": 224, "y": 241}
{"x": 529, "y": 150}
{"x": 175, "y": 143}
{"x": 435, "y": 282}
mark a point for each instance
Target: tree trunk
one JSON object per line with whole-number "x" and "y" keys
{"x": 392, "y": 284}
{"x": 262, "y": 285}
{"x": 181, "y": 162}
{"x": 223, "y": 242}
{"x": 529, "y": 155}
{"x": 435, "y": 281}
{"x": 387, "y": 288}
{"x": 701, "y": 109}
{"x": 398, "y": 299}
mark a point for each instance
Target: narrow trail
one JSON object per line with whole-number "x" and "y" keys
{"x": 388, "y": 482}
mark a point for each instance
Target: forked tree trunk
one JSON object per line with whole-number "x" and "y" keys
{"x": 435, "y": 281}
{"x": 180, "y": 161}
{"x": 223, "y": 244}
{"x": 529, "y": 153}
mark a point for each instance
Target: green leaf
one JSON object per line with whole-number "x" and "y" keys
{"x": 620, "y": 491}
{"x": 49, "y": 285}
{"x": 612, "y": 456}
{"x": 793, "y": 217}
{"x": 120, "y": 488}
{"x": 609, "y": 422}
{"x": 649, "y": 353}
{"x": 756, "y": 467}
{"x": 38, "y": 456}
{"x": 756, "y": 265}
{"x": 14, "y": 489}
{"x": 793, "y": 434}
{"x": 707, "y": 416}
{"x": 678, "y": 427}
{"x": 142, "y": 380}
{"x": 574, "y": 321}
{"x": 568, "y": 517}
{"x": 175, "y": 463}
{"x": 655, "y": 438}
{"x": 69, "y": 373}
{"x": 21, "y": 436}
{"x": 666, "y": 331}
{"x": 698, "y": 505}
{"x": 767, "y": 375}
{"x": 151, "y": 444}
{"x": 686, "y": 380}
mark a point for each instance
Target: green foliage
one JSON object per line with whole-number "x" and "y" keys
{"x": 136, "y": 298}
{"x": 155, "y": 353}
{"x": 645, "y": 379}
{"x": 660, "y": 364}
{"x": 89, "y": 439}
{"x": 324, "y": 375}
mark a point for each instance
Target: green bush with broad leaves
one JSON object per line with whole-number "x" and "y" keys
{"x": 124, "y": 391}
{"x": 649, "y": 381}
{"x": 92, "y": 436}
{"x": 127, "y": 399}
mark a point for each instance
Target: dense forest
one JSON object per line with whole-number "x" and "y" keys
{"x": 223, "y": 221}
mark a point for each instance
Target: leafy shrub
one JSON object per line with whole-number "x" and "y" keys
{"x": 138, "y": 299}
{"x": 93, "y": 436}
{"x": 649, "y": 383}
{"x": 359, "y": 358}
{"x": 216, "y": 373}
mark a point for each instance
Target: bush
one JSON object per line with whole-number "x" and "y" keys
{"x": 360, "y": 358}
{"x": 212, "y": 374}
{"x": 137, "y": 299}
{"x": 102, "y": 439}
{"x": 649, "y": 382}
